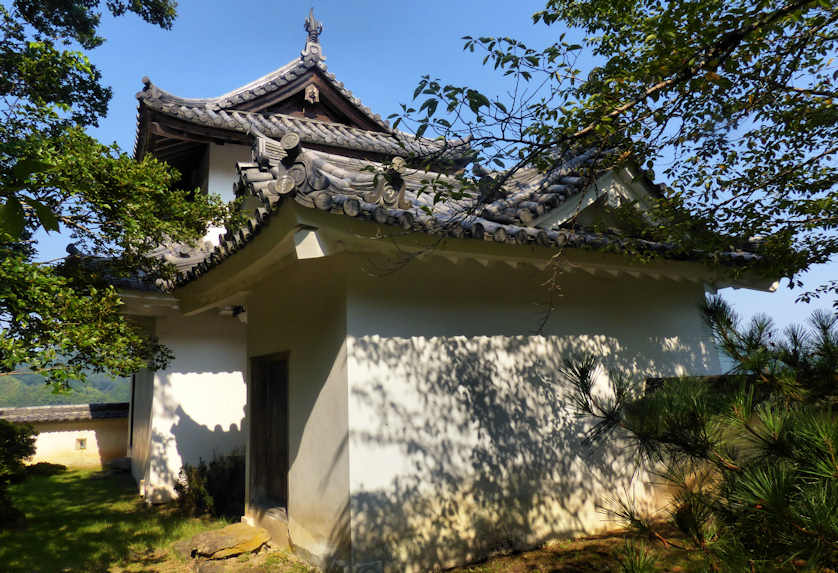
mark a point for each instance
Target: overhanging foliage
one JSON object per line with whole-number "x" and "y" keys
{"x": 732, "y": 102}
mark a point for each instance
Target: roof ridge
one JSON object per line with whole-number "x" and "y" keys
{"x": 311, "y": 58}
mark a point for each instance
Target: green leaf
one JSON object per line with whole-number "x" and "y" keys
{"x": 27, "y": 167}
{"x": 476, "y": 100}
{"x": 12, "y": 218}
{"x": 45, "y": 215}
{"x": 429, "y": 104}
{"x": 419, "y": 88}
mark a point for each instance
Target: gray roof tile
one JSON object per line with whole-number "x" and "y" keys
{"x": 218, "y": 112}
{"x": 349, "y": 190}
{"x": 65, "y": 413}
{"x": 308, "y": 61}
{"x": 309, "y": 130}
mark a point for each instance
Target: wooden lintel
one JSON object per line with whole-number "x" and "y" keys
{"x": 234, "y": 299}
{"x": 141, "y": 303}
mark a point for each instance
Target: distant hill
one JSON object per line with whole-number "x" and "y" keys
{"x": 31, "y": 390}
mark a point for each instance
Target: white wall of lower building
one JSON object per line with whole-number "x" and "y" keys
{"x": 82, "y": 443}
{"x": 460, "y": 437}
{"x": 301, "y": 311}
{"x": 198, "y": 407}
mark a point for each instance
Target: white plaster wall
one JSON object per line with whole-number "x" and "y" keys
{"x": 221, "y": 172}
{"x": 460, "y": 439}
{"x": 56, "y": 442}
{"x": 301, "y": 311}
{"x": 199, "y": 401}
{"x": 140, "y": 417}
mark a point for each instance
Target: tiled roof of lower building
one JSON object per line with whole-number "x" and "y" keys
{"x": 65, "y": 412}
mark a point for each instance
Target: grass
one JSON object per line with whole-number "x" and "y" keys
{"x": 280, "y": 561}
{"x": 93, "y": 521}
{"x": 87, "y": 521}
{"x": 599, "y": 554}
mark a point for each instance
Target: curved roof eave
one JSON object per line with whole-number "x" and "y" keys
{"x": 311, "y": 60}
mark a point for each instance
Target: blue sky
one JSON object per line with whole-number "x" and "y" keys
{"x": 379, "y": 49}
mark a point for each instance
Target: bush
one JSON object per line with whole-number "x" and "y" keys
{"x": 17, "y": 444}
{"x": 216, "y": 488}
{"x": 751, "y": 455}
{"x": 193, "y": 498}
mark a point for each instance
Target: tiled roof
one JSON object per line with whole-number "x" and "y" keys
{"x": 228, "y": 111}
{"x": 65, "y": 413}
{"x": 348, "y": 186}
{"x": 311, "y": 59}
{"x": 276, "y": 125}
{"x": 341, "y": 183}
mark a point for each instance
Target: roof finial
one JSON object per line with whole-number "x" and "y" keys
{"x": 314, "y": 28}
{"x": 312, "y": 53}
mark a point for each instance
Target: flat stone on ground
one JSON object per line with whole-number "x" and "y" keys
{"x": 211, "y": 567}
{"x": 229, "y": 541}
{"x": 183, "y": 548}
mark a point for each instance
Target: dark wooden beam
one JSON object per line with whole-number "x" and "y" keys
{"x": 164, "y": 145}
{"x": 178, "y": 135}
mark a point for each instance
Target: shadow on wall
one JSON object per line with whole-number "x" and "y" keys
{"x": 480, "y": 448}
{"x": 111, "y": 439}
{"x": 187, "y": 442}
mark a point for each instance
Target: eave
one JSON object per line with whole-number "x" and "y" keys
{"x": 296, "y": 233}
{"x": 198, "y": 125}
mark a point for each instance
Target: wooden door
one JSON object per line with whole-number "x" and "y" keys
{"x": 269, "y": 431}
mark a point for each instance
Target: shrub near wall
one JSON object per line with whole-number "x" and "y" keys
{"x": 17, "y": 443}
{"x": 215, "y": 488}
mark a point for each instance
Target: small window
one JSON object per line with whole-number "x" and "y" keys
{"x": 81, "y": 443}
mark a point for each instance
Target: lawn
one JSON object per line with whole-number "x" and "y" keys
{"x": 600, "y": 554}
{"x": 89, "y": 521}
